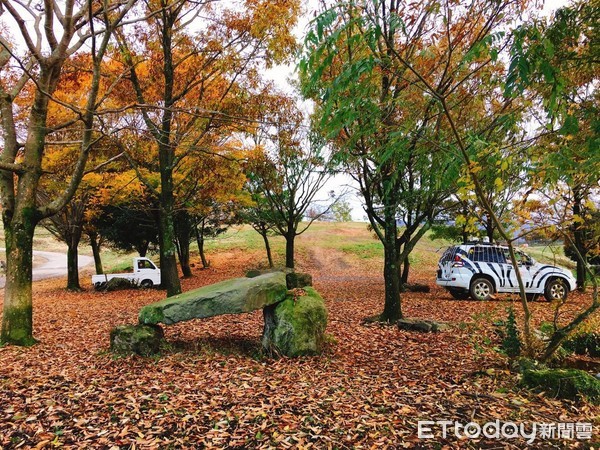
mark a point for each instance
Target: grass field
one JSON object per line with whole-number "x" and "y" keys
{"x": 352, "y": 238}
{"x": 355, "y": 240}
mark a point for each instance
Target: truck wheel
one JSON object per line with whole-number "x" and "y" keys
{"x": 459, "y": 294}
{"x": 482, "y": 289}
{"x": 556, "y": 289}
{"x": 146, "y": 284}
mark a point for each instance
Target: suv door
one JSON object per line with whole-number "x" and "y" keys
{"x": 524, "y": 266}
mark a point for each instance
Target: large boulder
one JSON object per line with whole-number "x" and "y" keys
{"x": 239, "y": 295}
{"x": 296, "y": 326}
{"x": 143, "y": 340}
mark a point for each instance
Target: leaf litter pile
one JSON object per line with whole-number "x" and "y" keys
{"x": 211, "y": 387}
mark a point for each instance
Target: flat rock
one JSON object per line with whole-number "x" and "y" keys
{"x": 424, "y": 326}
{"x": 235, "y": 296}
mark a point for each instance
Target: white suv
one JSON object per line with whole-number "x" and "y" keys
{"x": 479, "y": 270}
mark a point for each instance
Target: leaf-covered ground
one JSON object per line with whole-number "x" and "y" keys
{"x": 213, "y": 388}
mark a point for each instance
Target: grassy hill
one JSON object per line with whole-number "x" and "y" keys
{"x": 353, "y": 239}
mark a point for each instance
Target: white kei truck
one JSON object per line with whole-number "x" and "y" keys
{"x": 145, "y": 274}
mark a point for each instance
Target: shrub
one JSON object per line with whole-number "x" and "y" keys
{"x": 511, "y": 343}
{"x": 584, "y": 344}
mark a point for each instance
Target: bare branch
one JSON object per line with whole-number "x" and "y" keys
{"x": 34, "y": 48}
{"x": 12, "y": 167}
{"x": 105, "y": 163}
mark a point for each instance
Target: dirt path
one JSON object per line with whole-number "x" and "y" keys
{"x": 329, "y": 260}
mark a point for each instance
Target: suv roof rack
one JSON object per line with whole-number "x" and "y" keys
{"x": 474, "y": 242}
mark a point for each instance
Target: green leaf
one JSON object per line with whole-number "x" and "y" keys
{"x": 570, "y": 125}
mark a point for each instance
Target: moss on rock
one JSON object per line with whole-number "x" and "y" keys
{"x": 564, "y": 383}
{"x": 143, "y": 340}
{"x": 296, "y": 326}
{"x": 253, "y": 273}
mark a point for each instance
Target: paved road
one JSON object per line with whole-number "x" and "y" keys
{"x": 54, "y": 265}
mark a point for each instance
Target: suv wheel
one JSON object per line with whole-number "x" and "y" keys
{"x": 556, "y": 289}
{"x": 459, "y": 294}
{"x": 482, "y": 289}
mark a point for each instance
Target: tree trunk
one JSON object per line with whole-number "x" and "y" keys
{"x": 489, "y": 229}
{"x": 17, "y": 317}
{"x": 73, "y": 263}
{"x": 166, "y": 157}
{"x": 392, "y": 309}
{"x": 405, "y": 266}
{"x": 200, "y": 241}
{"x": 465, "y": 236}
{"x": 183, "y": 229}
{"x": 579, "y": 240}
{"x": 95, "y": 244}
{"x": 169, "y": 277}
{"x": 267, "y": 247}
{"x": 185, "y": 260}
{"x": 142, "y": 249}
{"x": 289, "y": 250}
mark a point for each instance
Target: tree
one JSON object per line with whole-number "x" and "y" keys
{"x": 70, "y": 223}
{"x": 209, "y": 195}
{"x": 589, "y": 246}
{"x": 35, "y": 62}
{"x": 342, "y": 211}
{"x": 190, "y": 83}
{"x": 563, "y": 73}
{"x": 289, "y": 171}
{"x": 215, "y": 219}
{"x": 67, "y": 226}
{"x": 258, "y": 213}
{"x": 558, "y": 60}
{"x": 129, "y": 226}
{"x": 260, "y": 220}
{"x": 391, "y": 137}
